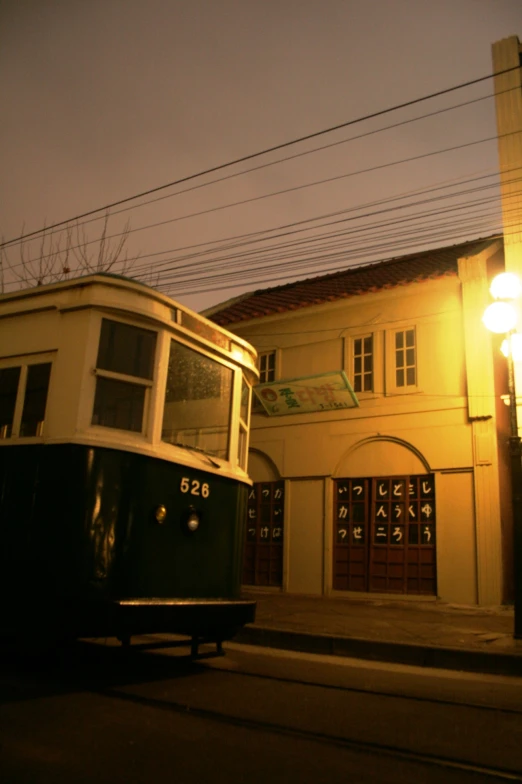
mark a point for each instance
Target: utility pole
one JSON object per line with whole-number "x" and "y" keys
{"x": 507, "y": 56}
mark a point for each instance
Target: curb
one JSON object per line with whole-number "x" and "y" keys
{"x": 465, "y": 659}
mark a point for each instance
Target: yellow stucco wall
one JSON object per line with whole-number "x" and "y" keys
{"x": 431, "y": 428}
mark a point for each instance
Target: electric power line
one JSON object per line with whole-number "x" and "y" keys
{"x": 258, "y": 154}
{"x": 195, "y": 264}
{"x": 246, "y": 257}
{"x": 290, "y": 158}
{"x": 303, "y": 186}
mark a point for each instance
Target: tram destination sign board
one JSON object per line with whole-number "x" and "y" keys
{"x": 324, "y": 392}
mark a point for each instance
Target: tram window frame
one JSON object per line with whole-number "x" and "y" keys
{"x": 245, "y": 404}
{"x": 127, "y": 413}
{"x": 20, "y": 419}
{"x": 196, "y": 436}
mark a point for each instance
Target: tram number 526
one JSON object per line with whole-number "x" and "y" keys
{"x": 194, "y": 487}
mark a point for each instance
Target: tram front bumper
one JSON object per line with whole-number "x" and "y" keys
{"x": 214, "y": 619}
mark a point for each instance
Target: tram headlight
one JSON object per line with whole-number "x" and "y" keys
{"x": 160, "y": 513}
{"x": 193, "y": 521}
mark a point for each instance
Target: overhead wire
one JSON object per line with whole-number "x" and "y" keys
{"x": 279, "y": 161}
{"x": 272, "y": 279}
{"x": 355, "y": 250}
{"x": 218, "y": 259}
{"x": 258, "y": 235}
{"x": 304, "y": 153}
{"x": 258, "y": 154}
{"x": 295, "y": 188}
{"x": 127, "y": 230}
{"x": 264, "y": 273}
{"x": 314, "y": 239}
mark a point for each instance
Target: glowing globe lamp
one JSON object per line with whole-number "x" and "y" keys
{"x": 507, "y": 285}
{"x": 500, "y": 317}
{"x": 513, "y": 346}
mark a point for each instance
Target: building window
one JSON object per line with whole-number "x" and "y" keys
{"x": 405, "y": 358}
{"x": 363, "y": 364}
{"x": 266, "y": 362}
{"x": 124, "y": 370}
{"x": 267, "y": 365}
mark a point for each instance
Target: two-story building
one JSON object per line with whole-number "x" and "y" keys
{"x": 403, "y": 486}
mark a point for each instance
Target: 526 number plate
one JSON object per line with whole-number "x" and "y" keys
{"x": 194, "y": 487}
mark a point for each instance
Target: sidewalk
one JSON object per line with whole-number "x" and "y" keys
{"x": 421, "y": 633}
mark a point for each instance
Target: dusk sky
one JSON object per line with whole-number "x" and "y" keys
{"x": 104, "y": 99}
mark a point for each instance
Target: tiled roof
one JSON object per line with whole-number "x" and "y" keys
{"x": 430, "y": 264}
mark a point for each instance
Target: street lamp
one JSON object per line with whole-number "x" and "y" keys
{"x": 501, "y": 317}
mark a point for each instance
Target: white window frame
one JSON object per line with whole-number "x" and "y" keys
{"x": 147, "y": 383}
{"x": 378, "y": 362}
{"x": 257, "y": 406}
{"x": 363, "y": 374}
{"x": 242, "y": 427}
{"x": 392, "y": 388}
{"x": 234, "y": 413}
{"x": 268, "y": 352}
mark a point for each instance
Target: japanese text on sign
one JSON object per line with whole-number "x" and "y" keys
{"x": 326, "y": 392}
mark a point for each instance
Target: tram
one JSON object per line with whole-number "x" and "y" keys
{"x": 124, "y": 425}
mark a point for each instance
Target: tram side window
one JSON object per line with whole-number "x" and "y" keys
{"x": 36, "y": 389}
{"x": 33, "y": 384}
{"x": 127, "y": 351}
{"x": 198, "y": 401}
{"x": 9, "y": 378}
{"x": 243, "y": 424}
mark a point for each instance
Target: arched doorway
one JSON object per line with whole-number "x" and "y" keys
{"x": 264, "y": 537}
{"x": 384, "y": 520}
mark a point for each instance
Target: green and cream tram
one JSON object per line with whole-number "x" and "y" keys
{"x": 124, "y": 421}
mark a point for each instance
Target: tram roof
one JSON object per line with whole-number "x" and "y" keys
{"x": 107, "y": 278}
{"x": 58, "y": 296}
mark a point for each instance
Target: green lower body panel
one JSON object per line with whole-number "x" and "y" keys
{"x": 83, "y": 548}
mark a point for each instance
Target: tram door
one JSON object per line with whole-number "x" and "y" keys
{"x": 263, "y": 560}
{"x": 384, "y": 535}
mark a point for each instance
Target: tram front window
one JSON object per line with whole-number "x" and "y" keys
{"x": 198, "y": 401}
{"x": 124, "y": 370}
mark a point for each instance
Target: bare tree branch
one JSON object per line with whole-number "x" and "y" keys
{"x": 60, "y": 254}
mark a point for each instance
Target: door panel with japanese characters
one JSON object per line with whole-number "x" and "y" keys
{"x": 351, "y": 515}
{"x": 384, "y": 535}
{"x": 263, "y": 561}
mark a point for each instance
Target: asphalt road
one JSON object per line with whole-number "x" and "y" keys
{"x": 97, "y": 714}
